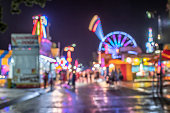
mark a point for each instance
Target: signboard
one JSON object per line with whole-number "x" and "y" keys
{"x": 26, "y": 60}
{"x": 24, "y": 40}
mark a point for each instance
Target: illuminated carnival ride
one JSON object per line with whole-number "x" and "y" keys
{"x": 40, "y": 23}
{"x": 111, "y": 43}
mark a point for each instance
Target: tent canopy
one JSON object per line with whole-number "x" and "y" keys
{"x": 5, "y": 57}
{"x": 117, "y": 61}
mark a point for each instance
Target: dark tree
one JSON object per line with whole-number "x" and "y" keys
{"x": 16, "y": 10}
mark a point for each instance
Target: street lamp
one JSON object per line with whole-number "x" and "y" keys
{"x": 159, "y": 37}
{"x": 71, "y": 45}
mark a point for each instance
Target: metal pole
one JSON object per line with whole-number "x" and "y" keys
{"x": 161, "y": 83}
{"x": 51, "y": 81}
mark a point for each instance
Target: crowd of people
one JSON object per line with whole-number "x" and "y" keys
{"x": 114, "y": 77}
{"x": 88, "y": 76}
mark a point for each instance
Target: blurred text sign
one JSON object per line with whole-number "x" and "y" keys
{"x": 24, "y": 41}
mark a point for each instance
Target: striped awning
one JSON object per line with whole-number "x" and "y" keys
{"x": 5, "y": 57}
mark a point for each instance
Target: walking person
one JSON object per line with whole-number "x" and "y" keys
{"x": 116, "y": 77}
{"x": 74, "y": 79}
{"x": 86, "y": 77}
{"x": 45, "y": 79}
{"x": 90, "y": 76}
{"x": 51, "y": 80}
{"x": 112, "y": 78}
{"x": 120, "y": 76}
{"x": 69, "y": 78}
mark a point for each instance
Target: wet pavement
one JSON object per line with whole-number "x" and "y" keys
{"x": 92, "y": 98}
{"x": 12, "y": 96}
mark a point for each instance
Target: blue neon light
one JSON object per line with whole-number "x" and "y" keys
{"x": 115, "y": 41}
{"x": 132, "y": 52}
{"x": 44, "y": 31}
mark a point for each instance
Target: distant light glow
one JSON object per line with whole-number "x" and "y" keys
{"x": 96, "y": 65}
{"x": 132, "y": 52}
{"x": 129, "y": 60}
{"x": 148, "y": 14}
{"x": 150, "y": 44}
{"x": 159, "y": 36}
{"x": 111, "y": 66}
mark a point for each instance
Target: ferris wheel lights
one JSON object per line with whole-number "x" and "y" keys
{"x": 117, "y": 50}
{"x": 112, "y": 41}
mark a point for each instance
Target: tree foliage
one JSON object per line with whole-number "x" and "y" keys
{"x": 16, "y": 10}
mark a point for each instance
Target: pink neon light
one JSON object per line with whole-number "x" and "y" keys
{"x": 95, "y": 26}
{"x": 123, "y": 41}
{"x": 76, "y": 63}
{"x": 127, "y": 43}
{"x": 34, "y": 28}
{"x": 106, "y": 49}
{"x": 119, "y": 39}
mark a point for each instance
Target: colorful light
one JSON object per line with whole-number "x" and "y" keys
{"x": 40, "y": 22}
{"x": 114, "y": 43}
{"x": 150, "y": 44}
{"x": 119, "y": 39}
{"x": 129, "y": 60}
{"x": 106, "y": 49}
{"x": 95, "y": 26}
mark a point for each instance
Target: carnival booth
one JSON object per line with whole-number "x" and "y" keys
{"x": 5, "y": 59}
{"x": 165, "y": 62}
{"x": 124, "y": 67}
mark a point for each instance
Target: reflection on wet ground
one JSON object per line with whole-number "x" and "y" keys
{"x": 92, "y": 98}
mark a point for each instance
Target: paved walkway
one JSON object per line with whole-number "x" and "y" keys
{"x": 97, "y": 97}
{"x": 12, "y": 96}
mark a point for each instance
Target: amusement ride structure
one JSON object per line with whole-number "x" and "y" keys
{"x": 40, "y": 26}
{"x": 111, "y": 43}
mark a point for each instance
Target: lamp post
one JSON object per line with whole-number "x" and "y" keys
{"x": 71, "y": 45}
{"x": 158, "y": 39}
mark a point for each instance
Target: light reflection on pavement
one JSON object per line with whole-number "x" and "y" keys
{"x": 92, "y": 98}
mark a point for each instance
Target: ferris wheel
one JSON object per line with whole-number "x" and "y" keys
{"x": 115, "y": 40}
{"x": 112, "y": 41}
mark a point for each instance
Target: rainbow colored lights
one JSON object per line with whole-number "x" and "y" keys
{"x": 96, "y": 27}
{"x": 40, "y": 22}
{"x": 112, "y": 41}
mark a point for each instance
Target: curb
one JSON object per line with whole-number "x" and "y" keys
{"x": 23, "y": 98}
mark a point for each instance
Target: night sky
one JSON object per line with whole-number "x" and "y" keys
{"x": 70, "y": 20}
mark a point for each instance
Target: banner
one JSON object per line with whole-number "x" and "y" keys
{"x": 24, "y": 40}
